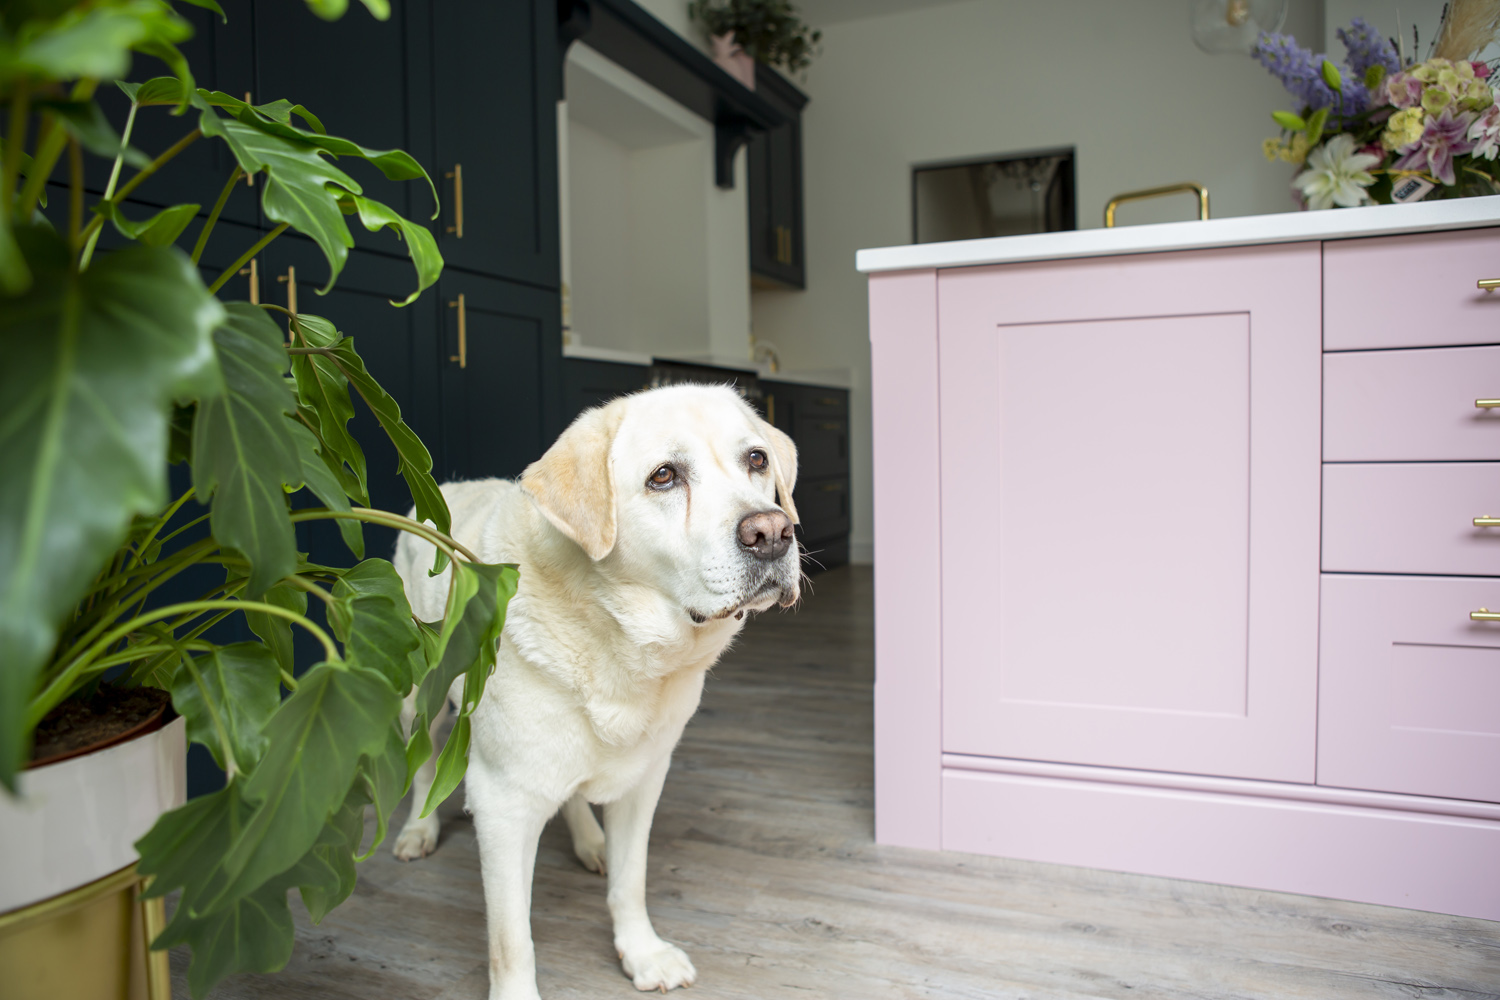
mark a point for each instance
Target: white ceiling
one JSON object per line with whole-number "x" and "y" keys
{"x": 818, "y": 13}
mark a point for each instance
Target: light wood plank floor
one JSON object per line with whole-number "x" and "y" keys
{"x": 763, "y": 868}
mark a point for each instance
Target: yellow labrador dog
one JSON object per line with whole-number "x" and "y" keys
{"x": 643, "y": 536}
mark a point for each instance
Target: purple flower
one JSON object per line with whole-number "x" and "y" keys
{"x": 1367, "y": 48}
{"x": 1445, "y": 137}
{"x": 1297, "y": 69}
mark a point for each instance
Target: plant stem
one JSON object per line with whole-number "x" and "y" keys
{"x": 49, "y": 147}
{"x": 145, "y": 172}
{"x": 75, "y": 191}
{"x": 213, "y": 216}
{"x": 230, "y": 764}
{"x": 161, "y": 522}
{"x": 109, "y": 189}
{"x": 63, "y": 683}
{"x": 15, "y": 144}
{"x": 234, "y": 268}
{"x": 303, "y": 583}
{"x": 437, "y": 538}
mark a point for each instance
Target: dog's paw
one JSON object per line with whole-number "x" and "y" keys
{"x": 590, "y": 852}
{"x": 417, "y": 839}
{"x": 659, "y": 967}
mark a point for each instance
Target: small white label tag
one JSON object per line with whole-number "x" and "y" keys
{"x": 1410, "y": 189}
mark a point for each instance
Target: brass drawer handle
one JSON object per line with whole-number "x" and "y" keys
{"x": 829, "y": 401}
{"x": 839, "y": 427}
{"x": 1484, "y": 615}
{"x": 1488, "y": 284}
{"x": 457, "y": 173}
{"x": 1487, "y": 404}
{"x": 290, "y": 279}
{"x": 1187, "y": 187}
{"x": 462, "y": 357}
{"x": 254, "y": 272}
{"x": 1487, "y": 522}
{"x": 832, "y": 487}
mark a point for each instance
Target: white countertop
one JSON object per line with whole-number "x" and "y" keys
{"x": 1289, "y": 227}
{"x": 838, "y": 378}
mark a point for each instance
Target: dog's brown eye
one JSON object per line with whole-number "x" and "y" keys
{"x": 663, "y": 477}
{"x": 758, "y": 459}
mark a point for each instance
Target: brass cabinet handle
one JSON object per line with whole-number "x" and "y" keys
{"x": 1488, "y": 284}
{"x": 254, "y": 272}
{"x": 829, "y": 401}
{"x": 457, "y": 173}
{"x": 462, "y": 357}
{"x": 1487, "y": 522}
{"x": 831, "y": 427}
{"x": 770, "y": 409}
{"x": 290, "y": 279}
{"x": 1486, "y": 404}
{"x": 1484, "y": 615}
{"x": 1187, "y": 187}
{"x": 832, "y": 487}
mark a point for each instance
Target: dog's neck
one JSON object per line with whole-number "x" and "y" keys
{"x": 646, "y": 645}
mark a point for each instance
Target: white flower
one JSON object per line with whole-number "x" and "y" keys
{"x": 1485, "y": 133}
{"x": 1336, "y": 174}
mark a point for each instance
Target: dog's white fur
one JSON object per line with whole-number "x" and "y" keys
{"x": 628, "y": 594}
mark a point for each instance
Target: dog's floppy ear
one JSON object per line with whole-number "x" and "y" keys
{"x": 572, "y": 485}
{"x": 784, "y": 467}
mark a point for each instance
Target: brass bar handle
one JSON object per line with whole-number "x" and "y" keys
{"x": 829, "y": 401}
{"x": 462, "y": 357}
{"x": 457, "y": 173}
{"x": 1486, "y": 404}
{"x": 832, "y": 487}
{"x": 1186, "y": 187}
{"x": 254, "y": 272}
{"x": 290, "y": 279}
{"x": 771, "y": 409}
{"x": 1488, "y": 284}
{"x": 1487, "y": 522}
{"x": 1484, "y": 615}
{"x": 831, "y": 427}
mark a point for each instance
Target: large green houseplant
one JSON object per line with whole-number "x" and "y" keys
{"x": 120, "y": 363}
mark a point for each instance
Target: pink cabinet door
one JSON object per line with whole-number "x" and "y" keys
{"x": 1129, "y": 490}
{"x": 1410, "y": 686}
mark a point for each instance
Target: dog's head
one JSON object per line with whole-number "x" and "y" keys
{"x": 682, "y": 489}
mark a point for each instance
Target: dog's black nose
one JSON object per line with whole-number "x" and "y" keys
{"x": 767, "y": 534}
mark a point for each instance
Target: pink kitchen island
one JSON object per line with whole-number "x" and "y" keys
{"x": 1176, "y": 556}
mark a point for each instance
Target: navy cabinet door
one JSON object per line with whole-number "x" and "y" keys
{"x": 495, "y": 77}
{"x": 501, "y": 380}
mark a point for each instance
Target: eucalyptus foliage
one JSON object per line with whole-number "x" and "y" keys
{"x": 121, "y": 363}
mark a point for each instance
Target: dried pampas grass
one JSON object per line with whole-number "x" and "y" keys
{"x": 1469, "y": 26}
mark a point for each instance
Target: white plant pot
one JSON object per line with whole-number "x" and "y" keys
{"x": 78, "y": 820}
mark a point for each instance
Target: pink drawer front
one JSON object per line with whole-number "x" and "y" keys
{"x": 1409, "y": 686}
{"x": 1410, "y": 291}
{"x": 1411, "y": 517}
{"x": 1411, "y": 406}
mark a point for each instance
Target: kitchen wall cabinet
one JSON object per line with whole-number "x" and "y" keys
{"x": 817, "y": 419}
{"x": 774, "y": 168}
{"x": 1192, "y": 596}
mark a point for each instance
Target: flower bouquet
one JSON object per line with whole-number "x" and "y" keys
{"x": 1382, "y": 129}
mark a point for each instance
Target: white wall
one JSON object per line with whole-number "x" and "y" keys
{"x": 1120, "y": 81}
{"x": 656, "y": 258}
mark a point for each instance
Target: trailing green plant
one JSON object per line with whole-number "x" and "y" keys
{"x": 768, "y": 30}
{"x": 122, "y": 362}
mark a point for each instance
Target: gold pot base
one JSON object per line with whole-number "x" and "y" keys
{"x": 86, "y": 944}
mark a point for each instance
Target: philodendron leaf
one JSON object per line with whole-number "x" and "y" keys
{"x": 95, "y": 41}
{"x": 227, "y": 695}
{"x": 420, "y": 243}
{"x": 318, "y": 477}
{"x": 315, "y": 740}
{"x": 415, "y": 461}
{"x": 371, "y": 616}
{"x": 386, "y": 776}
{"x": 92, "y": 364}
{"x": 254, "y": 934}
{"x": 161, "y": 230}
{"x": 275, "y": 631}
{"x": 244, "y": 451}
{"x": 470, "y": 635}
{"x": 322, "y": 384}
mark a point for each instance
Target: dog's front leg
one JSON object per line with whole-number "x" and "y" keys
{"x": 507, "y": 824}
{"x": 650, "y": 962}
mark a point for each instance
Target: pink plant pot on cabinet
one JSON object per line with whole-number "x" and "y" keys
{"x": 729, "y": 55}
